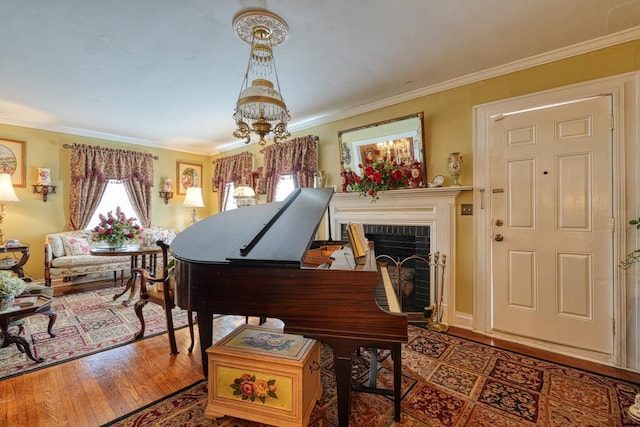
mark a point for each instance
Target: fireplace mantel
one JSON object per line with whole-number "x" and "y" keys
{"x": 433, "y": 207}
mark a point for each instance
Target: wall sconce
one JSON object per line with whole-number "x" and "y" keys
{"x": 44, "y": 186}
{"x": 166, "y": 195}
{"x": 166, "y": 192}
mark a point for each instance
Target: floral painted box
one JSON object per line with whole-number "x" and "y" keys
{"x": 264, "y": 375}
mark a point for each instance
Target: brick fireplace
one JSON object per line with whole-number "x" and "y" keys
{"x": 399, "y": 242}
{"x": 429, "y": 213}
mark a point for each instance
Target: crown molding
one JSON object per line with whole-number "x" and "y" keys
{"x": 533, "y": 61}
{"x": 545, "y": 58}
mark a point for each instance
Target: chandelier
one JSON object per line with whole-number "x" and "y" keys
{"x": 260, "y": 107}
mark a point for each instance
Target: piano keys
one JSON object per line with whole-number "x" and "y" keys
{"x": 250, "y": 262}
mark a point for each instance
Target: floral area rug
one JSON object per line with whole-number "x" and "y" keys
{"x": 87, "y": 323}
{"x": 447, "y": 381}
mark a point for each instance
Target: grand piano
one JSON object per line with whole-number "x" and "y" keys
{"x": 250, "y": 262}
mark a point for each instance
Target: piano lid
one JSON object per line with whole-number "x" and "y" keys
{"x": 277, "y": 233}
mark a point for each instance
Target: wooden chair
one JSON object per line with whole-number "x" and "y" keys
{"x": 160, "y": 290}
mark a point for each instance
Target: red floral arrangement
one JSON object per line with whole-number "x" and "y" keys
{"x": 116, "y": 229}
{"x": 380, "y": 174}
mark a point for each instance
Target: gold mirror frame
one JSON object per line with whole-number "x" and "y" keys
{"x": 406, "y": 132}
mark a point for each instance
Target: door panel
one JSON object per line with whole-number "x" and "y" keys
{"x": 552, "y": 255}
{"x": 522, "y": 281}
{"x": 522, "y": 202}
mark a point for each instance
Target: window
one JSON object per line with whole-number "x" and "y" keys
{"x": 228, "y": 202}
{"x": 284, "y": 187}
{"x": 114, "y": 196}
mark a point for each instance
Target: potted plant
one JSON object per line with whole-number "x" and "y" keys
{"x": 10, "y": 286}
{"x": 633, "y": 256}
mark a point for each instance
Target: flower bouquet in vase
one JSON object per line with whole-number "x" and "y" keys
{"x": 115, "y": 230}
{"x": 10, "y": 287}
{"x": 380, "y": 173}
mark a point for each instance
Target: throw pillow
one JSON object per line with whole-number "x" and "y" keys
{"x": 75, "y": 245}
{"x": 56, "y": 245}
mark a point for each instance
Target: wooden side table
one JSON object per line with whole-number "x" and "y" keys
{"x": 10, "y": 264}
{"x": 134, "y": 252}
{"x": 25, "y": 306}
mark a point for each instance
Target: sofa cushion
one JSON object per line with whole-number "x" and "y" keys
{"x": 74, "y": 245}
{"x": 78, "y": 260}
{"x": 57, "y": 248}
{"x": 55, "y": 240}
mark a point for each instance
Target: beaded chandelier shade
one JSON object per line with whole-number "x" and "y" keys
{"x": 260, "y": 107}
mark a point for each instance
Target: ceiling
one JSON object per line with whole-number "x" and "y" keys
{"x": 167, "y": 73}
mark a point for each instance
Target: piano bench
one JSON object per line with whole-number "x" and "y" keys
{"x": 264, "y": 375}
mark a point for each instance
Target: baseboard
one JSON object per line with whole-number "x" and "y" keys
{"x": 463, "y": 320}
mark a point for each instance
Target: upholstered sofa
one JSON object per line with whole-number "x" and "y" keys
{"x": 66, "y": 255}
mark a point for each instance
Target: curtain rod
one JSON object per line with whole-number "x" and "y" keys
{"x": 71, "y": 146}
{"x": 233, "y": 155}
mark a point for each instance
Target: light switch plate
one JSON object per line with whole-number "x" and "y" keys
{"x": 466, "y": 209}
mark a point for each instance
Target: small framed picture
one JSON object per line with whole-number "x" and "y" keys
{"x": 189, "y": 175}
{"x": 256, "y": 181}
{"x": 12, "y": 161}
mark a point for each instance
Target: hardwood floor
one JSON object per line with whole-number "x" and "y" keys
{"x": 93, "y": 390}
{"x": 96, "y": 389}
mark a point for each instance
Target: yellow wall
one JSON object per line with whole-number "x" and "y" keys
{"x": 448, "y": 128}
{"x": 31, "y": 219}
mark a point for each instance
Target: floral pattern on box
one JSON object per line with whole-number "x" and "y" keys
{"x": 249, "y": 387}
{"x": 266, "y": 341}
{"x": 269, "y": 341}
{"x": 256, "y": 387}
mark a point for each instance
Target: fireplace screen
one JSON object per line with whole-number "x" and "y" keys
{"x": 399, "y": 242}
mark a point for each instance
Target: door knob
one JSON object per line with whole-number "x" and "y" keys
{"x": 498, "y": 237}
{"x": 499, "y": 223}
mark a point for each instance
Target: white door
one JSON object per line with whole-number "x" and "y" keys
{"x": 551, "y": 213}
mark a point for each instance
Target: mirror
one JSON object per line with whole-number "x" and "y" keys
{"x": 402, "y": 138}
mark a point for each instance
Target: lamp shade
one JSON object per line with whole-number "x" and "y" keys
{"x": 244, "y": 196}
{"x": 7, "y": 193}
{"x": 193, "y": 199}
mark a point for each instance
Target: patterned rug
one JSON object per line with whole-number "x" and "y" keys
{"x": 447, "y": 381}
{"x": 87, "y": 323}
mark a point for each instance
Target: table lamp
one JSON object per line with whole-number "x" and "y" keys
{"x": 244, "y": 195}
{"x": 193, "y": 199}
{"x": 7, "y": 194}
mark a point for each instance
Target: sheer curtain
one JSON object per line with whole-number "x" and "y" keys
{"x": 298, "y": 157}
{"x": 236, "y": 169}
{"x": 92, "y": 167}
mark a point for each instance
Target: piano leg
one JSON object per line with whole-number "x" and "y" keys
{"x": 205, "y": 331}
{"x": 343, "y": 364}
{"x": 397, "y": 378}
{"x": 343, "y": 350}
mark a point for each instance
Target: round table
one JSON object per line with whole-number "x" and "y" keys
{"x": 139, "y": 255}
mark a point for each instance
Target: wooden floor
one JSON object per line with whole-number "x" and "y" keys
{"x": 96, "y": 389}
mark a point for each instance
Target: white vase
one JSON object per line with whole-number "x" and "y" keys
{"x": 455, "y": 167}
{"x": 110, "y": 245}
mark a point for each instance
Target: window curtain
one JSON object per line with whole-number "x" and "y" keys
{"x": 91, "y": 169}
{"x": 298, "y": 157}
{"x": 236, "y": 169}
